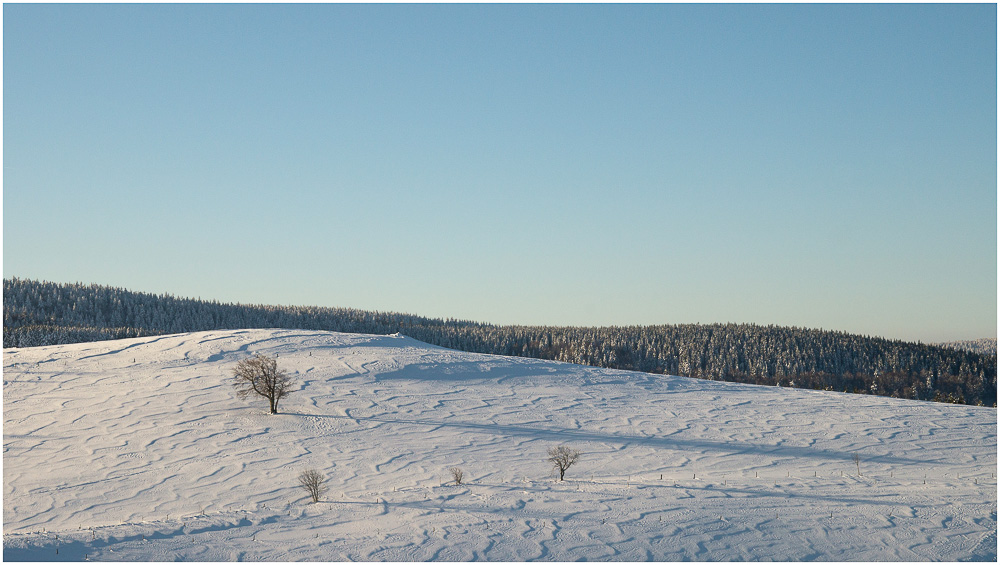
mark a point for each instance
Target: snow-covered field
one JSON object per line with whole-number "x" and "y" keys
{"x": 140, "y": 450}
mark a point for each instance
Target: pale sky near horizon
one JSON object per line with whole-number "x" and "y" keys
{"x": 824, "y": 166}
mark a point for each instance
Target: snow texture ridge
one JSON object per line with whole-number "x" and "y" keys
{"x": 139, "y": 449}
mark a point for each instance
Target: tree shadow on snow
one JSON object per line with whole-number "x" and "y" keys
{"x": 564, "y": 435}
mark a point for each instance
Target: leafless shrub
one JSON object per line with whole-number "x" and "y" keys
{"x": 259, "y": 375}
{"x": 562, "y": 458}
{"x": 857, "y": 461}
{"x": 313, "y": 481}
{"x": 456, "y": 474}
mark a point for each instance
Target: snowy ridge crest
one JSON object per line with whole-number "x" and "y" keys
{"x": 139, "y": 449}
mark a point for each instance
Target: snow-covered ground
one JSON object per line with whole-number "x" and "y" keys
{"x": 140, "y": 450}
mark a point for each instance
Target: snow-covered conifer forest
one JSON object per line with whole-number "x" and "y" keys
{"x": 45, "y": 313}
{"x": 984, "y": 346}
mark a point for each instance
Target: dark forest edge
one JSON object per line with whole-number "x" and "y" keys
{"x": 43, "y": 313}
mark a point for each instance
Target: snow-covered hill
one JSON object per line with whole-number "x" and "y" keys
{"x": 140, "y": 450}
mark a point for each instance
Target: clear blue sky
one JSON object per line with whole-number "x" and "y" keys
{"x": 827, "y": 166}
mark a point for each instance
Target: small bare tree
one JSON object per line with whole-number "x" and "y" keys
{"x": 260, "y": 375}
{"x": 562, "y": 458}
{"x": 857, "y": 461}
{"x": 313, "y": 481}
{"x": 457, "y": 474}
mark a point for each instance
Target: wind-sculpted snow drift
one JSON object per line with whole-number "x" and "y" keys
{"x": 139, "y": 449}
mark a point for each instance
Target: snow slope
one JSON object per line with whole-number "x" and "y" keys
{"x": 140, "y": 450}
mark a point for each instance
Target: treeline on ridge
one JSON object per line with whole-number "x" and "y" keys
{"x": 44, "y": 313}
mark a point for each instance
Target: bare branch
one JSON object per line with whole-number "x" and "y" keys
{"x": 562, "y": 458}
{"x": 313, "y": 481}
{"x": 260, "y": 375}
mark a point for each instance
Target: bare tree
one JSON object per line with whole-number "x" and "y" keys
{"x": 562, "y": 458}
{"x": 313, "y": 481}
{"x": 260, "y": 375}
{"x": 857, "y": 461}
{"x": 457, "y": 474}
